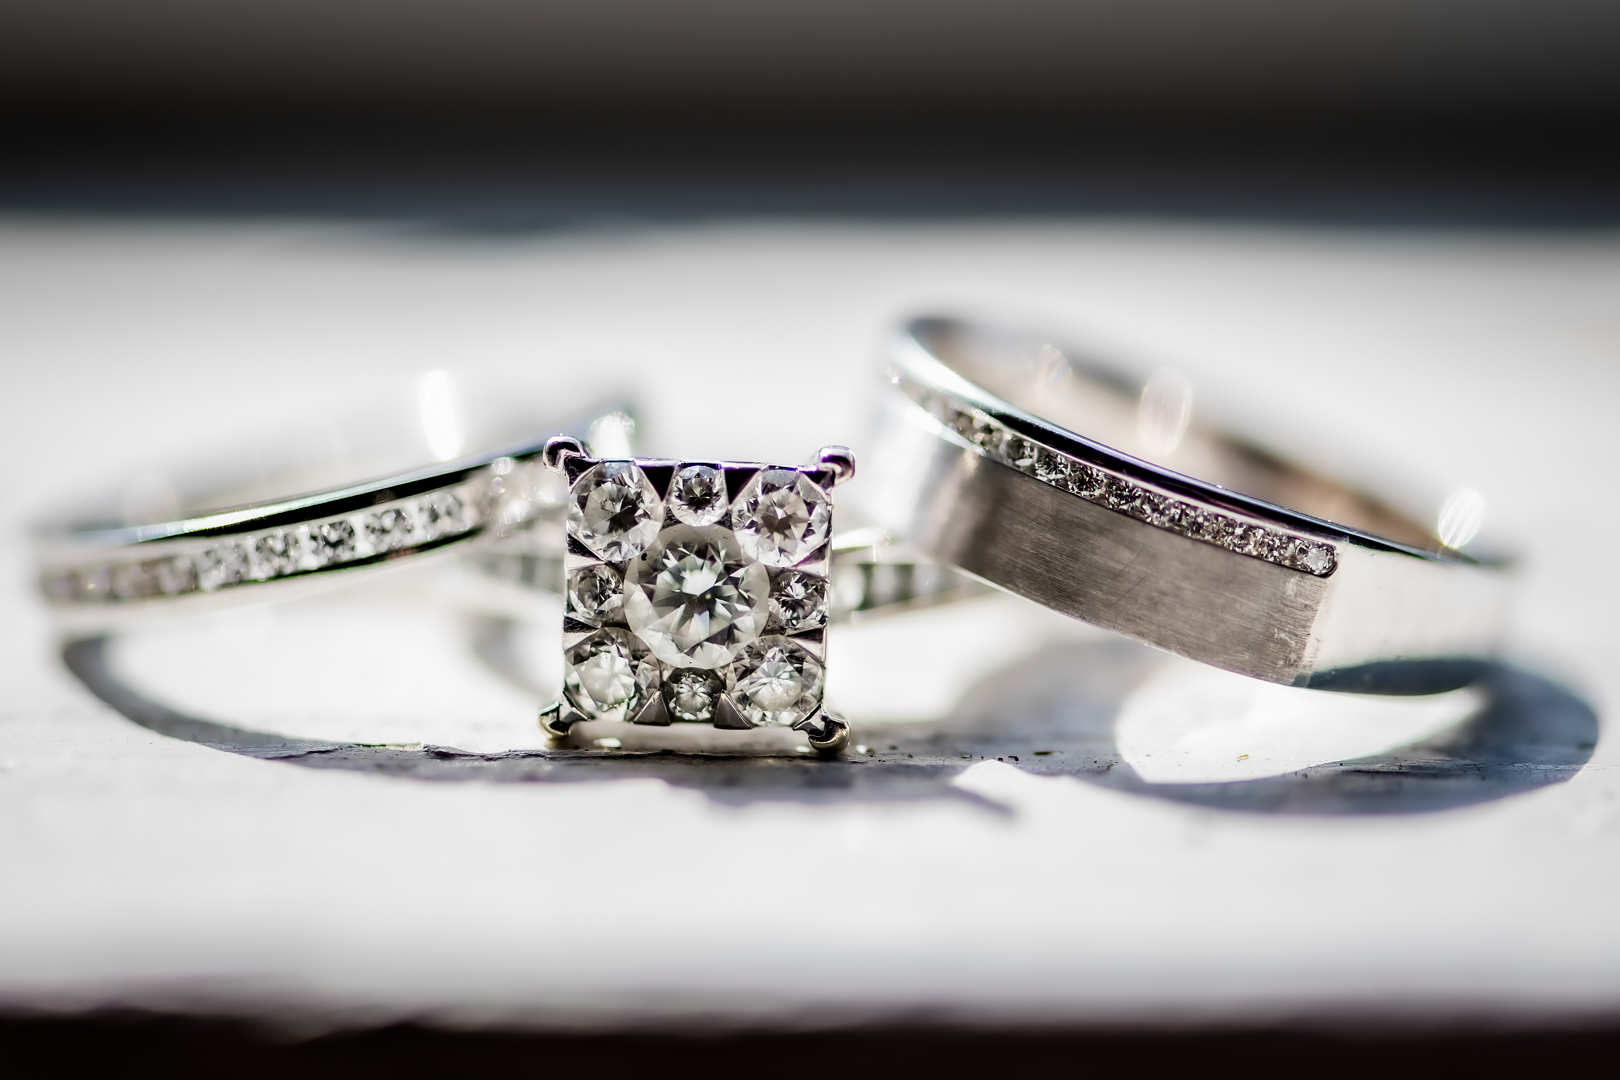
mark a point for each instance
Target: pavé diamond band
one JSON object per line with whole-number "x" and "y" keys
{"x": 217, "y": 547}
{"x": 1299, "y": 580}
{"x": 698, "y": 592}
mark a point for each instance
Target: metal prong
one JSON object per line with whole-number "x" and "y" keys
{"x": 557, "y": 718}
{"x": 653, "y": 712}
{"x": 838, "y": 460}
{"x": 559, "y": 447}
{"x": 728, "y": 716}
{"x": 833, "y": 736}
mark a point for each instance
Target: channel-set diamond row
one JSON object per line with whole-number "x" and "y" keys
{"x": 431, "y": 518}
{"x": 998, "y": 442}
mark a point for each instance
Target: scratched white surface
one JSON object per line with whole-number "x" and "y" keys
{"x": 147, "y": 871}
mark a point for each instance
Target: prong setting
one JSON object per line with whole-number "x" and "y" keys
{"x": 559, "y": 448}
{"x": 838, "y": 460}
{"x": 557, "y": 719}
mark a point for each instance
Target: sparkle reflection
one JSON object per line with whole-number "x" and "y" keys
{"x": 1461, "y": 516}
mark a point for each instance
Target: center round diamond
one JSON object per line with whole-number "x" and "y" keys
{"x": 694, "y": 599}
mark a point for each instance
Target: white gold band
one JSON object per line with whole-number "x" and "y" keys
{"x": 976, "y": 469}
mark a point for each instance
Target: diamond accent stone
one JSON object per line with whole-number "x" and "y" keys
{"x": 595, "y": 594}
{"x": 608, "y": 675}
{"x": 614, "y": 510}
{"x": 775, "y": 680}
{"x": 441, "y": 514}
{"x": 225, "y": 564}
{"x": 274, "y": 554}
{"x": 1212, "y": 527}
{"x": 332, "y": 541}
{"x": 691, "y": 694}
{"x": 1019, "y": 452}
{"x": 134, "y": 581}
{"x": 1087, "y": 482}
{"x": 1122, "y": 495}
{"x": 781, "y": 517}
{"x": 798, "y": 601}
{"x": 978, "y": 429}
{"x": 697, "y": 495}
{"x": 694, "y": 597}
{"x": 1246, "y": 539}
{"x": 1316, "y": 558}
{"x": 388, "y": 530}
{"x": 1051, "y": 467}
{"x": 1279, "y": 547}
{"x": 1126, "y": 496}
{"x": 176, "y": 575}
{"x": 1153, "y": 508}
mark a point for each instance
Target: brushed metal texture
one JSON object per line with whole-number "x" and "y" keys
{"x": 1110, "y": 570}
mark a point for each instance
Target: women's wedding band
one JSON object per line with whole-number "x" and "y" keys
{"x": 981, "y": 463}
{"x": 98, "y": 574}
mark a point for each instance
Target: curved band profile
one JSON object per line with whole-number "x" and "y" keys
{"x": 975, "y": 466}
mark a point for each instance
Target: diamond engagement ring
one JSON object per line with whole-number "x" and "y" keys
{"x": 697, "y": 592}
{"x": 1008, "y": 458}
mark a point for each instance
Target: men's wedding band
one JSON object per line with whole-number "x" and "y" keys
{"x": 1011, "y": 459}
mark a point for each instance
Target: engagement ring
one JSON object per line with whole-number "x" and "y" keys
{"x": 697, "y": 592}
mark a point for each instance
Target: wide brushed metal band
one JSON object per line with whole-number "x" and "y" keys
{"x": 1179, "y": 563}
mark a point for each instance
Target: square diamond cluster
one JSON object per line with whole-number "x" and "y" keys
{"x": 696, "y": 592}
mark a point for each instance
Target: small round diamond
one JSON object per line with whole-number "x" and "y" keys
{"x": 275, "y": 554}
{"x": 1278, "y": 547}
{"x": 1086, "y": 482}
{"x": 221, "y": 566}
{"x": 798, "y": 601}
{"x": 608, "y": 675}
{"x": 691, "y": 693}
{"x": 1237, "y": 537}
{"x": 330, "y": 542}
{"x": 388, "y": 529}
{"x": 775, "y": 681}
{"x": 1052, "y": 467}
{"x": 595, "y": 594}
{"x": 977, "y": 428}
{"x": 1317, "y": 559}
{"x": 1173, "y": 515}
{"x": 441, "y": 514}
{"x": 781, "y": 517}
{"x": 694, "y": 599}
{"x": 1122, "y": 495}
{"x": 134, "y": 581}
{"x": 1019, "y": 452}
{"x": 697, "y": 495}
{"x": 614, "y": 510}
{"x": 1153, "y": 508}
{"x": 1210, "y": 527}
{"x": 176, "y": 575}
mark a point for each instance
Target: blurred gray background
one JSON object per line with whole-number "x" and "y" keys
{"x": 498, "y": 114}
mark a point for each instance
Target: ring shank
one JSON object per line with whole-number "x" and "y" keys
{"x": 241, "y": 533}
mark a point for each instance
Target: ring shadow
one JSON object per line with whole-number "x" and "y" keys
{"x": 1050, "y": 714}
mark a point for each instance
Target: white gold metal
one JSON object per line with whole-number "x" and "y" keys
{"x": 982, "y": 464}
{"x": 100, "y": 573}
